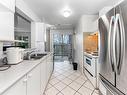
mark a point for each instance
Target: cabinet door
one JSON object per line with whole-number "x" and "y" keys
{"x": 18, "y": 89}
{"x": 40, "y": 46}
{"x": 51, "y": 63}
{"x": 33, "y": 83}
{"x": 40, "y": 32}
{"x": 43, "y": 76}
{"x": 6, "y": 26}
{"x": 48, "y": 68}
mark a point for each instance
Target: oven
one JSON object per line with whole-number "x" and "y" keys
{"x": 90, "y": 65}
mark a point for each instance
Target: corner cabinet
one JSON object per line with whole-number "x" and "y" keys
{"x": 35, "y": 81}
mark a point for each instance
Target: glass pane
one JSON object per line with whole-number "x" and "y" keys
{"x": 57, "y": 39}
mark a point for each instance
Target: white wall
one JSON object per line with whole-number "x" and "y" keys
{"x": 104, "y": 10}
{"x": 87, "y": 23}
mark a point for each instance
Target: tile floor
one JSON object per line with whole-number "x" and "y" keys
{"x": 66, "y": 81}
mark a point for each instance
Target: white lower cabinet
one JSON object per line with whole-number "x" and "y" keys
{"x": 43, "y": 76}
{"x": 49, "y": 66}
{"x": 48, "y": 69}
{"x": 18, "y": 88}
{"x": 33, "y": 82}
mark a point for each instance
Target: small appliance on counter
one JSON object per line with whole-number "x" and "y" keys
{"x": 14, "y": 55}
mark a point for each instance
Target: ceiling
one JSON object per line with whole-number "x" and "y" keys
{"x": 50, "y": 11}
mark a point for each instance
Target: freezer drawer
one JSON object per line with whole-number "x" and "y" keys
{"x": 110, "y": 89}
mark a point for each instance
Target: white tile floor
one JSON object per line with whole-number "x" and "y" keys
{"x": 66, "y": 81}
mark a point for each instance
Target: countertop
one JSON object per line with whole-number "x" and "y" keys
{"x": 15, "y": 73}
{"x": 90, "y": 55}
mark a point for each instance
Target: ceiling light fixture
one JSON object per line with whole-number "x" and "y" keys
{"x": 67, "y": 13}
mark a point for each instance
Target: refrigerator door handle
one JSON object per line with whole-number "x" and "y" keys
{"x": 122, "y": 43}
{"x": 118, "y": 64}
{"x": 109, "y": 41}
{"x": 114, "y": 43}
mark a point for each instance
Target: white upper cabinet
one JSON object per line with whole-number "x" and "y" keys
{"x": 40, "y": 31}
{"x": 37, "y": 31}
{"x": 37, "y": 35}
{"x": 7, "y": 5}
{"x": 6, "y": 26}
{"x": 7, "y": 9}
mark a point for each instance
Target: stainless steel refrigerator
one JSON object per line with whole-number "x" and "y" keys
{"x": 113, "y": 50}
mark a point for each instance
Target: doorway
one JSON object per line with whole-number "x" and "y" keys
{"x": 62, "y": 46}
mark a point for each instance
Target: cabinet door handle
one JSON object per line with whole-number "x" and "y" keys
{"x": 30, "y": 75}
{"x": 25, "y": 80}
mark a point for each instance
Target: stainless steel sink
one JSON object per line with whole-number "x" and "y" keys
{"x": 37, "y": 56}
{"x": 34, "y": 56}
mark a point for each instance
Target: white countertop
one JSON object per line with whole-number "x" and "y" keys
{"x": 13, "y": 74}
{"x": 90, "y": 55}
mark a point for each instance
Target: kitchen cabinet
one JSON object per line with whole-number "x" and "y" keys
{"x": 49, "y": 66}
{"x": 51, "y": 63}
{"x": 40, "y": 46}
{"x": 18, "y": 88}
{"x": 33, "y": 82}
{"x": 28, "y": 85}
{"x": 7, "y": 5}
{"x": 38, "y": 31}
{"x": 6, "y": 26}
{"x": 43, "y": 76}
{"x": 46, "y": 71}
{"x": 38, "y": 35}
{"x": 7, "y": 9}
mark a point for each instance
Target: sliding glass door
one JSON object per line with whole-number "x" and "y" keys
{"x": 62, "y": 44}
